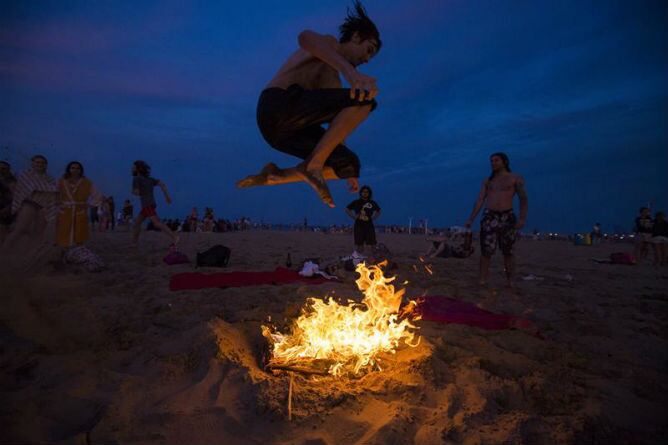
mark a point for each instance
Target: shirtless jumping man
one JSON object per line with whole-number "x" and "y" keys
{"x": 306, "y": 92}
{"x": 498, "y": 223}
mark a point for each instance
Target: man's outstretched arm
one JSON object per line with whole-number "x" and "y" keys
{"x": 478, "y": 204}
{"x": 163, "y": 186}
{"x": 324, "y": 48}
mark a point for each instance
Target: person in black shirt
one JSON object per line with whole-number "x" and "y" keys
{"x": 660, "y": 239}
{"x": 643, "y": 233}
{"x": 364, "y": 210}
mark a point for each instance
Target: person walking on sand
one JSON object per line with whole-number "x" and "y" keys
{"x": 364, "y": 211}
{"x": 142, "y": 186}
{"x": 306, "y": 93}
{"x": 498, "y": 223}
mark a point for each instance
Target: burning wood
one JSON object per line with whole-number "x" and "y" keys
{"x": 332, "y": 338}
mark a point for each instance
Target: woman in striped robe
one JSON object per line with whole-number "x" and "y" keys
{"x": 34, "y": 202}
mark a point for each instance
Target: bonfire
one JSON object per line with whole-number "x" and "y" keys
{"x": 345, "y": 339}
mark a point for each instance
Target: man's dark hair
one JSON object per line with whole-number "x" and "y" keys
{"x": 504, "y": 158}
{"x": 143, "y": 169}
{"x": 70, "y": 164}
{"x": 368, "y": 189}
{"x": 359, "y": 22}
{"x": 5, "y": 163}
{"x": 642, "y": 209}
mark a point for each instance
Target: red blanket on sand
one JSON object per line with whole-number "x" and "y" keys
{"x": 448, "y": 310}
{"x": 196, "y": 280}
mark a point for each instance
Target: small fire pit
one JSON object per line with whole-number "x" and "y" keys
{"x": 330, "y": 338}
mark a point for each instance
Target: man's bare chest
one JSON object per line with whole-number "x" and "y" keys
{"x": 505, "y": 185}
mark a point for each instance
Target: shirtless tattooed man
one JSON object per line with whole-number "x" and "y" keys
{"x": 306, "y": 93}
{"x": 498, "y": 223}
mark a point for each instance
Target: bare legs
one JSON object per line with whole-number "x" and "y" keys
{"x": 136, "y": 228}
{"x": 484, "y": 269}
{"x": 509, "y": 264}
{"x": 313, "y": 170}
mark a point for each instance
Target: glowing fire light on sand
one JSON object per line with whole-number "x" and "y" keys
{"x": 348, "y": 338}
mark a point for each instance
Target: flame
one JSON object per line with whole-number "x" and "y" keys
{"x": 352, "y": 336}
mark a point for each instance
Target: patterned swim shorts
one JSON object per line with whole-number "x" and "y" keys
{"x": 497, "y": 227}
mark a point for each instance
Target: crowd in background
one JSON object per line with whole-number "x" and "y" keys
{"x": 32, "y": 199}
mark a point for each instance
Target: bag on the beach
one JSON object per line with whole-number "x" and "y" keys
{"x": 217, "y": 256}
{"x": 622, "y": 258}
{"x": 83, "y": 256}
{"x": 174, "y": 256}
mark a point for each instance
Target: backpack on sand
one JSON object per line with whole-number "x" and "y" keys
{"x": 217, "y": 256}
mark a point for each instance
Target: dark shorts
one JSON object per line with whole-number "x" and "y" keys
{"x": 497, "y": 227}
{"x": 364, "y": 233}
{"x": 291, "y": 121}
{"x": 148, "y": 211}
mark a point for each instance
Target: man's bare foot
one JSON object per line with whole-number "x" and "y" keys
{"x": 267, "y": 176}
{"x": 317, "y": 182}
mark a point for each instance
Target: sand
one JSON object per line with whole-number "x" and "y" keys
{"x": 115, "y": 357}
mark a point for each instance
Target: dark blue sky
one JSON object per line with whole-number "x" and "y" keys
{"x": 575, "y": 92}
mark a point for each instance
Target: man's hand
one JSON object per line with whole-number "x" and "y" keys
{"x": 468, "y": 223}
{"x": 519, "y": 224}
{"x": 168, "y": 199}
{"x": 361, "y": 85}
{"x": 353, "y": 185}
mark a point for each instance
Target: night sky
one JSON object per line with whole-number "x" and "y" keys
{"x": 576, "y": 92}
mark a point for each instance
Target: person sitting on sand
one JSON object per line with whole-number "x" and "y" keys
{"x": 34, "y": 203}
{"x": 7, "y": 184}
{"x": 77, "y": 193}
{"x": 142, "y": 186}
{"x": 306, "y": 93}
{"x": 364, "y": 211}
{"x": 643, "y": 233}
{"x": 498, "y": 224}
{"x": 660, "y": 239}
{"x": 439, "y": 247}
{"x": 457, "y": 244}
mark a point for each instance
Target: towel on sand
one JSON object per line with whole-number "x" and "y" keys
{"x": 448, "y": 310}
{"x": 196, "y": 280}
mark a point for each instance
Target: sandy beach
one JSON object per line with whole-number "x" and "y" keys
{"x": 116, "y": 357}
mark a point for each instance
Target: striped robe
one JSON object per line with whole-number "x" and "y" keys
{"x": 30, "y": 182}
